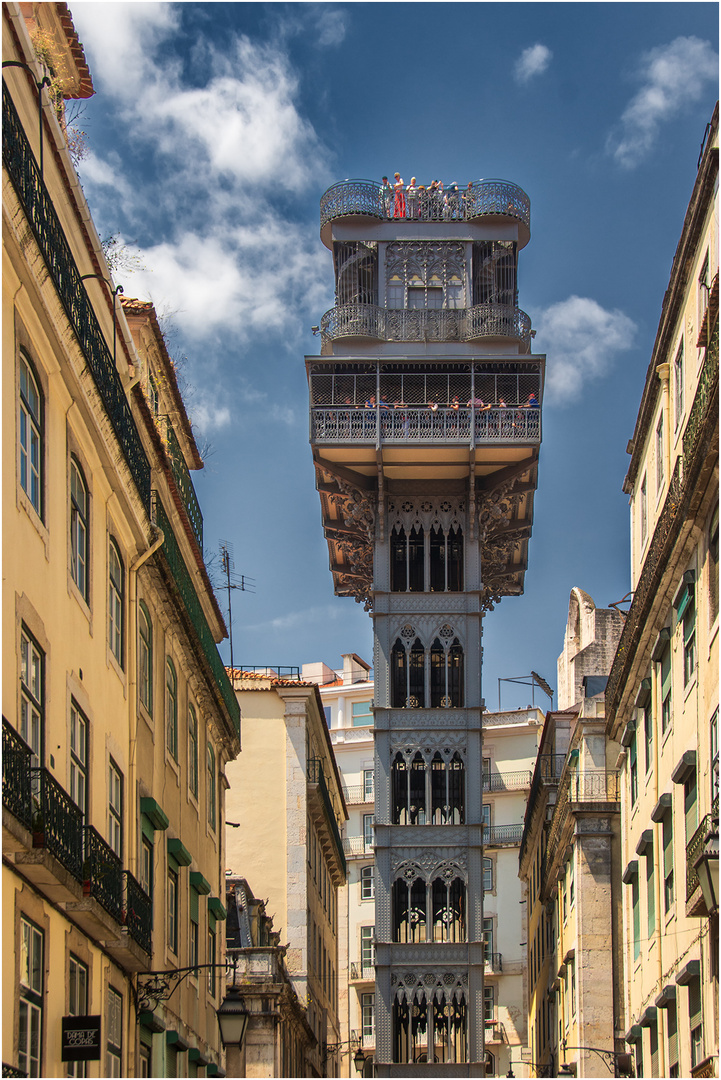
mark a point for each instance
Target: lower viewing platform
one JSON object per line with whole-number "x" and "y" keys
{"x": 412, "y": 424}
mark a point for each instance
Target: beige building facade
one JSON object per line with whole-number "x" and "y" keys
{"x": 118, "y": 719}
{"x": 286, "y": 802}
{"x": 662, "y": 695}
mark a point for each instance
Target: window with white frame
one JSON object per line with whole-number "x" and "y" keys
{"x": 367, "y": 883}
{"x": 79, "y": 514}
{"x": 171, "y": 708}
{"x": 77, "y": 1003}
{"x": 489, "y": 1013}
{"x": 368, "y": 947}
{"x": 146, "y": 866}
{"x": 172, "y": 912}
{"x": 114, "y": 1034}
{"x": 192, "y": 749}
{"x": 368, "y": 784}
{"x": 145, "y": 657}
{"x": 32, "y": 691}
{"x": 368, "y": 1008}
{"x": 487, "y": 940}
{"x": 116, "y": 597}
{"x": 115, "y": 808}
{"x": 30, "y": 1011}
{"x": 368, "y": 823}
{"x": 488, "y": 875}
{"x": 30, "y": 435}
{"x": 78, "y": 757}
{"x": 361, "y": 714}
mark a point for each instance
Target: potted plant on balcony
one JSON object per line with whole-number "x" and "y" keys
{"x": 38, "y": 824}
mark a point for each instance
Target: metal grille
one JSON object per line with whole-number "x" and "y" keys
{"x": 59, "y": 821}
{"x": 103, "y": 873}
{"x": 16, "y": 775}
{"x": 138, "y": 913}
{"x": 183, "y": 482}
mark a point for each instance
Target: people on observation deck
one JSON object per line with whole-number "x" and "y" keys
{"x": 400, "y": 198}
{"x": 532, "y": 402}
{"x": 386, "y": 193}
{"x": 412, "y": 197}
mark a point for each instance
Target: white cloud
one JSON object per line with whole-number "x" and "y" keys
{"x": 581, "y": 339}
{"x": 332, "y": 26}
{"x": 207, "y": 416}
{"x": 672, "y": 77}
{"x": 297, "y": 619}
{"x": 533, "y": 61}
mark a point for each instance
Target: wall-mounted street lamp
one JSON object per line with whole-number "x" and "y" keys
{"x": 706, "y": 866}
{"x": 233, "y": 1018}
{"x": 114, "y": 293}
{"x": 359, "y": 1060}
{"x": 617, "y": 1063}
{"x": 45, "y": 81}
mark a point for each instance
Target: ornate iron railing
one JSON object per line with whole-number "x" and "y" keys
{"x": 138, "y": 913}
{"x": 594, "y": 786}
{"x": 103, "y": 873}
{"x": 502, "y": 835}
{"x": 10, "y": 1070}
{"x": 401, "y": 324}
{"x": 182, "y": 579}
{"x": 357, "y": 793}
{"x": 183, "y": 482}
{"x": 493, "y": 960}
{"x": 362, "y": 972}
{"x": 694, "y": 848}
{"x": 40, "y": 212}
{"x": 291, "y": 672}
{"x": 57, "y": 822}
{"x": 17, "y": 793}
{"x": 425, "y": 425}
{"x": 547, "y": 772}
{"x": 483, "y": 198}
{"x": 668, "y": 525}
{"x": 356, "y": 845}
{"x": 510, "y": 781}
{"x": 315, "y": 776}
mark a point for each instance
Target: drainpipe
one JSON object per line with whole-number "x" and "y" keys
{"x": 132, "y": 660}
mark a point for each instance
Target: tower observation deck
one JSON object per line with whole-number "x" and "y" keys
{"x": 425, "y": 425}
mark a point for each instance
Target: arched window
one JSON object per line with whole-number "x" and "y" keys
{"x": 417, "y": 791}
{"x": 116, "y": 597}
{"x": 408, "y": 676}
{"x": 407, "y": 560}
{"x": 192, "y": 749}
{"x": 431, "y": 1027}
{"x": 145, "y": 657}
{"x": 399, "y": 570}
{"x": 399, "y": 788}
{"x": 416, "y": 677}
{"x": 212, "y": 789}
{"x": 446, "y": 675}
{"x": 30, "y": 435}
{"x": 79, "y": 508}
{"x": 171, "y": 708}
{"x": 449, "y": 908}
{"x": 409, "y": 899}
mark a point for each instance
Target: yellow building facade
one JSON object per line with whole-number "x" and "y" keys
{"x": 662, "y": 695}
{"x": 286, "y": 803}
{"x": 118, "y": 718}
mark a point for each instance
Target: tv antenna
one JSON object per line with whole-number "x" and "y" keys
{"x": 233, "y": 581}
{"x": 533, "y": 680}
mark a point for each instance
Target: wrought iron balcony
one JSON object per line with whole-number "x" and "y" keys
{"x": 695, "y": 846}
{"x": 502, "y": 835}
{"x": 357, "y": 845}
{"x": 182, "y": 579}
{"x": 181, "y": 476}
{"x": 493, "y": 961}
{"x": 366, "y": 1041}
{"x": 315, "y": 776}
{"x": 407, "y": 324}
{"x": 103, "y": 874}
{"x": 510, "y": 781}
{"x": 484, "y": 198}
{"x": 444, "y": 425}
{"x": 138, "y": 913}
{"x": 358, "y": 793}
{"x": 57, "y": 822}
{"x": 594, "y": 786}
{"x": 40, "y": 212}
{"x": 362, "y": 972}
{"x": 17, "y": 793}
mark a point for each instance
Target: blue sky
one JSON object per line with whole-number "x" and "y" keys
{"x": 213, "y": 133}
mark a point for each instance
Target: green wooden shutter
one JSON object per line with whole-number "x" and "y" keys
{"x": 636, "y": 918}
{"x": 672, "y": 1033}
{"x": 650, "y": 894}
{"x": 694, "y": 1003}
{"x": 653, "y": 1032}
{"x": 690, "y": 805}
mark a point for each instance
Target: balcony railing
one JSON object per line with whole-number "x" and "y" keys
{"x": 510, "y": 781}
{"x": 484, "y": 198}
{"x": 358, "y": 793}
{"x": 290, "y": 672}
{"x": 366, "y": 1041}
{"x": 357, "y": 845}
{"x": 138, "y": 913}
{"x": 493, "y": 960}
{"x": 441, "y": 324}
{"x": 40, "y": 212}
{"x": 594, "y": 787}
{"x": 362, "y": 972}
{"x": 315, "y": 776}
{"x": 499, "y": 425}
{"x": 57, "y": 822}
{"x": 502, "y": 835}
{"x": 182, "y": 578}
{"x": 181, "y": 476}
{"x": 694, "y": 848}
{"x": 17, "y": 793}
{"x": 103, "y": 873}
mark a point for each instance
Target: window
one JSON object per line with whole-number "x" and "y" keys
{"x": 368, "y": 1005}
{"x": 488, "y": 940}
{"x": 650, "y": 894}
{"x": 690, "y": 804}
{"x": 667, "y": 840}
{"x": 192, "y": 750}
{"x": 660, "y": 455}
{"x": 30, "y": 435}
{"x": 703, "y": 291}
{"x": 116, "y": 593}
{"x": 212, "y": 796}
{"x": 361, "y": 713}
{"x": 713, "y": 591}
{"x": 488, "y": 1004}
{"x": 672, "y": 1036}
{"x": 572, "y": 972}
{"x": 367, "y": 883}
{"x": 636, "y": 915}
{"x": 115, "y": 808}
{"x": 488, "y": 875}
{"x": 146, "y": 866}
{"x": 172, "y": 925}
{"x": 77, "y": 1003}
{"x": 193, "y": 941}
{"x": 171, "y": 708}
{"x": 695, "y": 1017}
{"x": 653, "y": 1047}
{"x": 665, "y": 670}
{"x": 648, "y": 734}
{"x": 368, "y": 947}
{"x": 145, "y": 657}
{"x": 114, "y": 1052}
{"x": 678, "y": 387}
{"x": 32, "y": 717}
{"x": 368, "y": 784}
{"x": 689, "y": 641}
{"x": 30, "y": 1012}
{"x": 644, "y": 512}
{"x": 145, "y": 1060}
{"x": 211, "y": 960}
{"x": 633, "y": 769}
{"x": 327, "y": 714}
{"x": 78, "y": 758}
{"x": 368, "y": 821}
{"x": 713, "y": 736}
{"x": 79, "y": 509}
